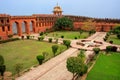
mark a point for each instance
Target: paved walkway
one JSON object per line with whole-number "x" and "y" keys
{"x": 54, "y": 69}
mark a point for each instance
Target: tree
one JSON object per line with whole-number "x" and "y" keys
{"x": 54, "y": 49}
{"x": 63, "y": 23}
{"x": 67, "y": 43}
{"x": 96, "y": 50}
{"x": 40, "y": 59}
{"x": 76, "y": 66}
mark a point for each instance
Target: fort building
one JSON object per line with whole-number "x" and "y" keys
{"x": 40, "y": 22}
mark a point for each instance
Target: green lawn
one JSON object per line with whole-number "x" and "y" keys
{"x": 68, "y": 34}
{"x": 25, "y": 52}
{"x": 114, "y": 39}
{"x": 107, "y": 67}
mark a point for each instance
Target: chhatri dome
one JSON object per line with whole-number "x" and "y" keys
{"x": 57, "y": 10}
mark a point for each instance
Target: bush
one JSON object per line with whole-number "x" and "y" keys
{"x": 108, "y": 48}
{"x": 41, "y": 34}
{"x": 22, "y": 37}
{"x": 118, "y": 36}
{"x": 50, "y": 40}
{"x": 111, "y": 48}
{"x": 54, "y": 49}
{"x": 40, "y": 59}
{"x": 75, "y": 37}
{"x": 96, "y": 50}
{"x": 67, "y": 43}
{"x": 9, "y": 40}
{"x": 62, "y": 36}
{"x": 105, "y": 39}
{"x": 111, "y": 42}
{"x": 114, "y": 49}
{"x": 28, "y": 37}
{"x": 108, "y": 34}
{"x": 10, "y": 36}
{"x": 40, "y": 38}
{"x": 2, "y": 69}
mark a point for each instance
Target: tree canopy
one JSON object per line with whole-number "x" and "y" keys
{"x": 63, "y": 23}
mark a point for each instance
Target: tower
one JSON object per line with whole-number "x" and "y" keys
{"x": 57, "y": 10}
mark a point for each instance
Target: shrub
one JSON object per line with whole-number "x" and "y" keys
{"x": 2, "y": 66}
{"x": 41, "y": 33}
{"x": 118, "y": 35}
{"x": 75, "y": 37}
{"x": 114, "y": 49}
{"x": 105, "y": 39}
{"x": 10, "y": 36}
{"x": 28, "y": 36}
{"x": 2, "y": 69}
{"x": 96, "y": 50}
{"x": 67, "y": 43}
{"x": 50, "y": 40}
{"x": 108, "y": 48}
{"x": 111, "y": 42}
{"x": 54, "y": 49}
{"x": 22, "y": 37}
{"x": 40, "y": 38}
{"x": 40, "y": 59}
{"x": 62, "y": 36}
{"x": 108, "y": 34}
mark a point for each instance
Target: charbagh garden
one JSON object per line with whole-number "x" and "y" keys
{"x": 18, "y": 55}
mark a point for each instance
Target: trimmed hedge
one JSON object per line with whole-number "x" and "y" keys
{"x": 9, "y": 40}
{"x": 40, "y": 38}
{"x": 40, "y": 59}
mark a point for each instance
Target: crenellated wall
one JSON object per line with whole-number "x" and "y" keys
{"x": 41, "y": 22}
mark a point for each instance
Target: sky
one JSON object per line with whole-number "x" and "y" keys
{"x": 89, "y": 8}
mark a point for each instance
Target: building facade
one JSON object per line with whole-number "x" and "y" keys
{"x": 40, "y": 22}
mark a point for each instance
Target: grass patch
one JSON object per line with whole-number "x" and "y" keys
{"x": 106, "y": 68}
{"x": 25, "y": 52}
{"x": 114, "y": 39}
{"x": 68, "y": 34}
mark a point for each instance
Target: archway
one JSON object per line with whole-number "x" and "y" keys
{"x": 32, "y": 26}
{"x": 15, "y": 29}
{"x": 24, "y": 25}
